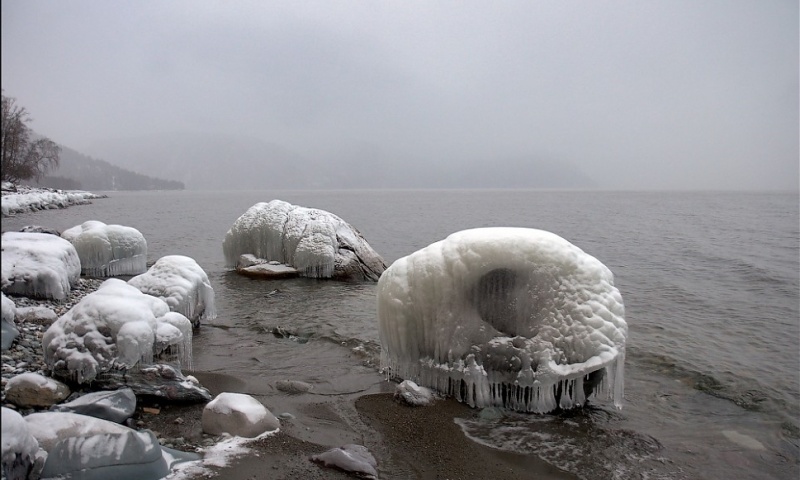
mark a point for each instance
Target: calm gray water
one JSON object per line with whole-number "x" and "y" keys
{"x": 710, "y": 283}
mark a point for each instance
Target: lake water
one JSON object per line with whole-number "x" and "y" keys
{"x": 710, "y": 284}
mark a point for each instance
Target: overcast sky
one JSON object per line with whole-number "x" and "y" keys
{"x": 642, "y": 94}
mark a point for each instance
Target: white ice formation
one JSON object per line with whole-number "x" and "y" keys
{"x": 108, "y": 250}
{"x": 317, "y": 243}
{"x": 19, "y": 447}
{"x": 38, "y": 265}
{"x": 117, "y": 326}
{"x": 509, "y": 317}
{"x": 182, "y": 283}
{"x": 237, "y": 414}
{"x": 19, "y": 198}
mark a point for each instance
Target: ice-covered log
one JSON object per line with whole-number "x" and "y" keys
{"x": 317, "y": 243}
{"x": 116, "y": 327}
{"x": 108, "y": 250}
{"x": 182, "y": 283}
{"x": 38, "y": 265}
{"x": 511, "y": 317}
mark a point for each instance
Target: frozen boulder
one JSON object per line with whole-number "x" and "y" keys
{"x": 34, "y": 390}
{"x": 115, "y": 406}
{"x": 509, "y": 317}
{"x": 19, "y": 447}
{"x": 79, "y": 446}
{"x": 38, "y": 265}
{"x": 315, "y": 242}
{"x": 9, "y": 327}
{"x": 108, "y": 250}
{"x": 412, "y": 394}
{"x": 115, "y": 327}
{"x": 130, "y": 455}
{"x": 40, "y": 229}
{"x": 237, "y": 414}
{"x": 350, "y": 458}
{"x": 182, "y": 283}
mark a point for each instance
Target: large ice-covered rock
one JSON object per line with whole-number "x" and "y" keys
{"x": 108, "y": 250}
{"x": 237, "y": 414}
{"x": 19, "y": 447}
{"x": 115, "y": 327}
{"x": 38, "y": 265}
{"x": 79, "y": 446}
{"x": 182, "y": 283}
{"x": 317, "y": 243}
{"x": 351, "y": 458}
{"x": 511, "y": 317}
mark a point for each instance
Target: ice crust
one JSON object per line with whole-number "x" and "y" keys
{"x": 306, "y": 238}
{"x": 108, "y": 250}
{"x": 508, "y": 317}
{"x": 117, "y": 326}
{"x": 182, "y": 283}
{"x": 18, "y": 445}
{"x": 38, "y": 265}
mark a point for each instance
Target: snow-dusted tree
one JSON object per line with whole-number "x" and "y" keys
{"x": 24, "y": 156}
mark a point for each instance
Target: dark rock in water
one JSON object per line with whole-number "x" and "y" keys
{"x": 40, "y": 229}
{"x": 159, "y": 380}
{"x": 120, "y": 456}
{"x": 115, "y": 406}
{"x": 350, "y": 458}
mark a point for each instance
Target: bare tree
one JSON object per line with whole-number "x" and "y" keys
{"x": 23, "y": 157}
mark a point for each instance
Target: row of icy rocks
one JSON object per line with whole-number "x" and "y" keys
{"x": 20, "y": 199}
{"x": 110, "y": 335}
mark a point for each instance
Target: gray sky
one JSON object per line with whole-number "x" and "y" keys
{"x": 663, "y": 94}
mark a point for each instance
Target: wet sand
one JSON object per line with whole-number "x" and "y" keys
{"x": 407, "y": 442}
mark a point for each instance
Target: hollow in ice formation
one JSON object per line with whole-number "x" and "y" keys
{"x": 315, "y": 242}
{"x": 108, "y": 250}
{"x": 510, "y": 317}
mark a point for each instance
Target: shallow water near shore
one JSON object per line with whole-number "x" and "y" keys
{"x": 709, "y": 280}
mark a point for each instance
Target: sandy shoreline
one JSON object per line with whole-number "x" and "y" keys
{"x": 407, "y": 442}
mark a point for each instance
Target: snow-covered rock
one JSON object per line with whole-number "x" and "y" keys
{"x": 19, "y": 447}
{"x": 9, "y": 328}
{"x": 251, "y": 266}
{"x": 19, "y": 198}
{"x": 79, "y": 446}
{"x": 130, "y": 455}
{"x": 317, "y": 243}
{"x": 115, "y": 327}
{"x": 237, "y": 414}
{"x": 114, "y": 406}
{"x": 182, "y": 283}
{"x": 38, "y": 265}
{"x": 412, "y": 394}
{"x": 34, "y": 390}
{"x": 38, "y": 315}
{"x": 108, "y": 250}
{"x": 511, "y": 317}
{"x": 350, "y": 458}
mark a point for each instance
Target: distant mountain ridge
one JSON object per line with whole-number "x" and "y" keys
{"x": 77, "y": 171}
{"x": 228, "y": 162}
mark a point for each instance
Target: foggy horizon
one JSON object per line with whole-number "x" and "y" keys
{"x": 666, "y": 95}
